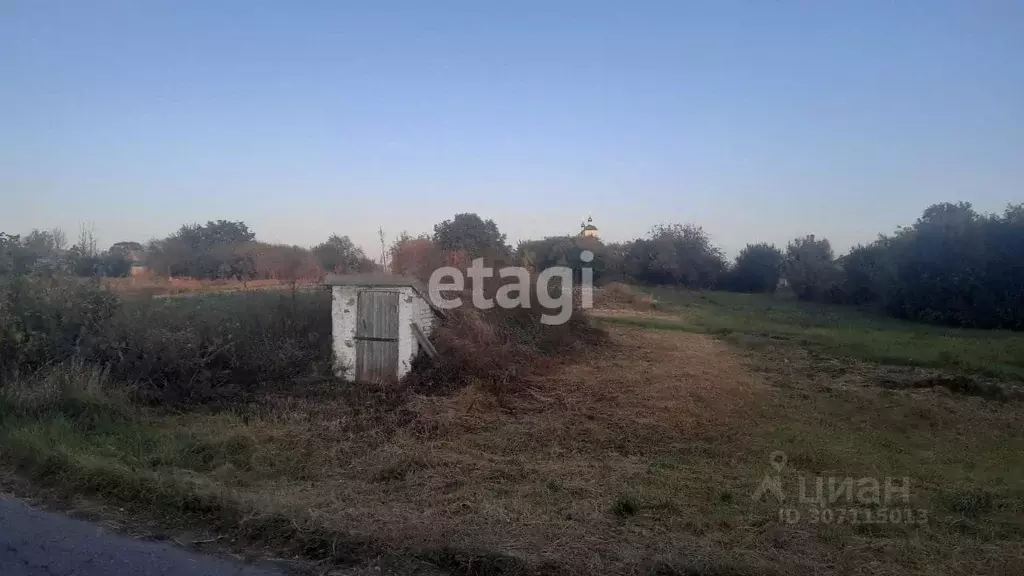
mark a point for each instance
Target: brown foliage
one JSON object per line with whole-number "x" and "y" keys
{"x": 619, "y": 295}
{"x": 500, "y": 349}
{"x": 281, "y": 262}
{"x": 419, "y": 257}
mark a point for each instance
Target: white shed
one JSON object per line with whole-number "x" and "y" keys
{"x": 380, "y": 323}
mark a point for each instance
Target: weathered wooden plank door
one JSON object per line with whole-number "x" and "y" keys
{"x": 377, "y": 336}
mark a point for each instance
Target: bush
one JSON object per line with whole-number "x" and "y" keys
{"x": 497, "y": 348}
{"x": 173, "y": 351}
{"x": 757, "y": 269}
{"x": 953, "y": 266}
{"x": 218, "y": 347}
{"x": 565, "y": 251}
{"x": 810, "y": 268}
{"x": 676, "y": 254}
{"x": 49, "y": 320}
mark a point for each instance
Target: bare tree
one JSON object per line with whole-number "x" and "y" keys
{"x": 60, "y": 239}
{"x": 383, "y": 248}
{"x": 87, "y": 240}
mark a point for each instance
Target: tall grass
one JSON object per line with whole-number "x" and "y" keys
{"x": 171, "y": 351}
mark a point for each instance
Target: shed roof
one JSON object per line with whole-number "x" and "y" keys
{"x": 394, "y": 280}
{"x": 373, "y": 280}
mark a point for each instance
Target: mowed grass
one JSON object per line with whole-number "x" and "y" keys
{"x": 842, "y": 331}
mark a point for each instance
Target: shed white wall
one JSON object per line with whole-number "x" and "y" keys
{"x": 411, "y": 308}
{"x": 425, "y": 316}
{"x": 343, "y": 329}
{"x": 407, "y": 344}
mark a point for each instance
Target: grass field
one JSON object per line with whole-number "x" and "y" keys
{"x": 841, "y": 331}
{"x": 643, "y": 458}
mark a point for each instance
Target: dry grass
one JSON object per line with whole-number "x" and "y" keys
{"x": 536, "y": 475}
{"x": 499, "y": 349}
{"x": 163, "y": 287}
{"x": 618, "y": 295}
{"x": 643, "y": 458}
{"x": 640, "y": 458}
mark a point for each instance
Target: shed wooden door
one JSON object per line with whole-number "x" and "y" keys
{"x": 376, "y": 335}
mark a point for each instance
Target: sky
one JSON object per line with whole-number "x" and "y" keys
{"x": 760, "y": 120}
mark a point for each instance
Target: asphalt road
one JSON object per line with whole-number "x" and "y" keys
{"x": 38, "y": 543}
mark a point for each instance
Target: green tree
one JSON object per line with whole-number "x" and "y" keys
{"x": 168, "y": 257}
{"x": 14, "y": 259}
{"x": 470, "y": 234}
{"x": 564, "y": 251}
{"x": 952, "y": 266}
{"x": 758, "y": 268}
{"x": 216, "y": 233}
{"x": 810, "y": 267}
{"x": 198, "y": 250}
{"x": 238, "y": 265}
{"x": 339, "y": 254}
{"x": 43, "y": 250}
{"x": 674, "y": 254}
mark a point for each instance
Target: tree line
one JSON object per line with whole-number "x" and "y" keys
{"x": 229, "y": 250}
{"x": 953, "y": 265}
{"x": 219, "y": 249}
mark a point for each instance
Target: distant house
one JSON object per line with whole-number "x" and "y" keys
{"x": 137, "y": 258}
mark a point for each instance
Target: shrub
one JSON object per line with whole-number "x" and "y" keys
{"x": 867, "y": 273}
{"x": 676, "y": 254}
{"x": 419, "y": 257}
{"x": 539, "y": 255}
{"x": 810, "y": 268}
{"x": 953, "y": 266}
{"x": 173, "y": 351}
{"x": 218, "y": 347}
{"x": 497, "y": 348}
{"x": 49, "y": 320}
{"x": 469, "y": 233}
{"x": 757, "y": 269}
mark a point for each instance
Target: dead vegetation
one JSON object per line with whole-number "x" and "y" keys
{"x": 547, "y": 476}
{"x": 617, "y": 295}
{"x": 536, "y": 451}
{"x": 499, "y": 349}
{"x": 639, "y": 457}
{"x": 154, "y": 287}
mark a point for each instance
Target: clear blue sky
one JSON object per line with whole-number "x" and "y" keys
{"x": 759, "y": 119}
